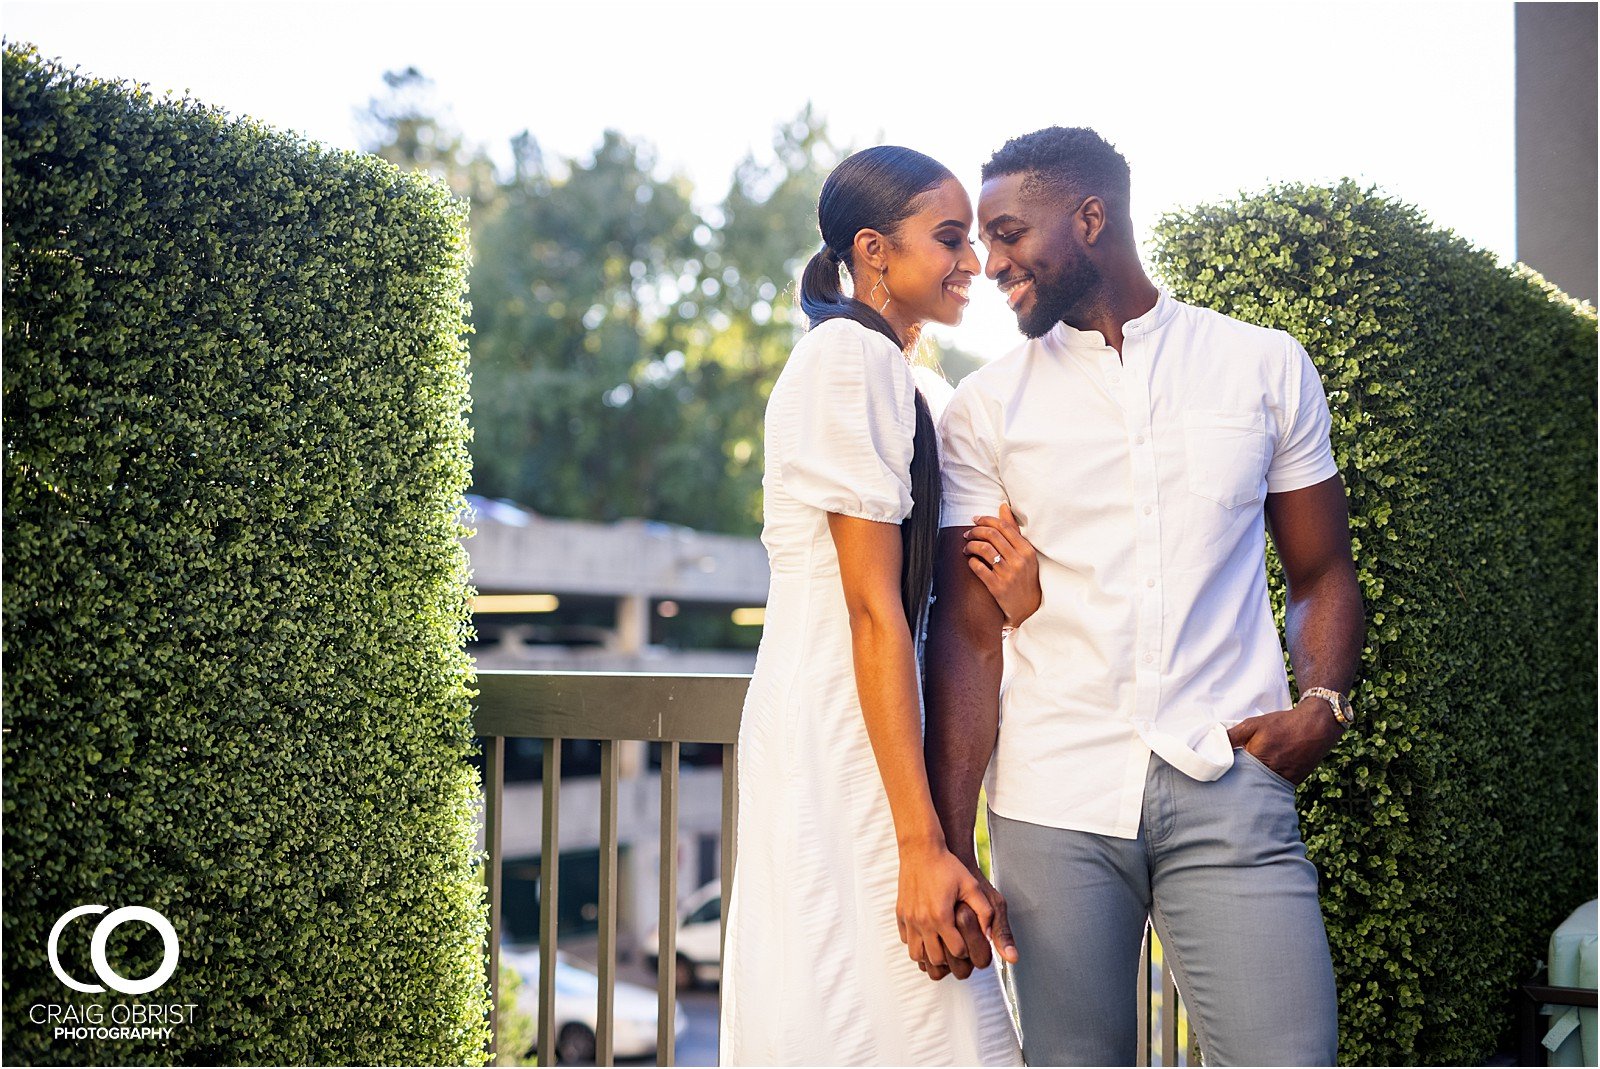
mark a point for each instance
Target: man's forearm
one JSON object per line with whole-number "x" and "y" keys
{"x": 1325, "y": 625}
{"x": 1324, "y": 620}
{"x": 963, "y": 717}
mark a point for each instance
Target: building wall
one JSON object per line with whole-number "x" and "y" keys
{"x": 1556, "y": 175}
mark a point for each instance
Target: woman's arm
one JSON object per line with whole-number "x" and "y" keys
{"x": 932, "y": 880}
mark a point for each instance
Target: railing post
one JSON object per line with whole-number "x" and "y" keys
{"x": 1169, "y": 1014}
{"x": 730, "y": 848}
{"x": 1142, "y": 1001}
{"x": 730, "y": 826}
{"x": 549, "y": 873}
{"x": 494, "y": 753}
{"x": 607, "y": 965}
{"x": 667, "y": 925}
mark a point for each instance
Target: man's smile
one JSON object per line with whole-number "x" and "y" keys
{"x": 1016, "y": 289}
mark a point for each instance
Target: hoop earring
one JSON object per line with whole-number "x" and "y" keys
{"x": 873, "y": 292}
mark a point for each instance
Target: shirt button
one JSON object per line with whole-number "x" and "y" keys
{"x": 1149, "y": 582}
{"x": 1148, "y": 510}
{"x": 1139, "y": 440}
{"x": 1149, "y": 657}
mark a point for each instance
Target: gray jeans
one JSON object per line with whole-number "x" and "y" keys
{"x": 1221, "y": 872}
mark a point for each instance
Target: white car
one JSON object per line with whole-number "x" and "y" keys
{"x": 699, "y": 938}
{"x": 577, "y": 991}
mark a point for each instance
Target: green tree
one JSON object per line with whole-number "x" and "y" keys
{"x": 766, "y": 231}
{"x": 624, "y": 343}
{"x": 406, "y": 125}
{"x": 582, "y": 291}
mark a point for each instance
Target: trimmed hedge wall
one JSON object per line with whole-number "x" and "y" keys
{"x": 235, "y": 601}
{"x": 1455, "y": 826}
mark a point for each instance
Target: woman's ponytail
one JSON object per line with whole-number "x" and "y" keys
{"x": 820, "y": 294}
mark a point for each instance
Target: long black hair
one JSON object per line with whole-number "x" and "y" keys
{"x": 877, "y": 189}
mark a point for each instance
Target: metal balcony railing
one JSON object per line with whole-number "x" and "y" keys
{"x": 670, "y": 710}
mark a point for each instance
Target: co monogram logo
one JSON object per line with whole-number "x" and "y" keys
{"x": 97, "y": 950}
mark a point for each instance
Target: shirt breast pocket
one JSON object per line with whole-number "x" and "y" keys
{"x": 1226, "y": 454}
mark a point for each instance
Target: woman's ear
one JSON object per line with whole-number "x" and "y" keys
{"x": 871, "y": 250}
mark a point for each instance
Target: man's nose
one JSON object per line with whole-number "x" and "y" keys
{"x": 993, "y": 263}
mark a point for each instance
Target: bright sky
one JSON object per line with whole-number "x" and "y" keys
{"x": 1204, "y": 98}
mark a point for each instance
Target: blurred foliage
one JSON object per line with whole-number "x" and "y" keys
{"x": 409, "y": 127}
{"x": 517, "y": 1029}
{"x": 626, "y": 335}
{"x": 1454, "y": 826}
{"x": 625, "y": 339}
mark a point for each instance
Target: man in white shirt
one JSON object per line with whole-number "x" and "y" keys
{"x": 1143, "y": 755}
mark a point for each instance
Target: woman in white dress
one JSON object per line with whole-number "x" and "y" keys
{"x": 843, "y": 879}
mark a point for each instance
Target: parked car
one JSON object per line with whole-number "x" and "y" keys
{"x": 699, "y": 938}
{"x": 577, "y": 990}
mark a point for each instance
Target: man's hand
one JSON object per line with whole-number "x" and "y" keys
{"x": 1324, "y": 623}
{"x": 1291, "y": 742}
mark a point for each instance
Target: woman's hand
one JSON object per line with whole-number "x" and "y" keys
{"x": 933, "y": 883}
{"x": 1006, "y": 562}
{"x": 1005, "y": 945}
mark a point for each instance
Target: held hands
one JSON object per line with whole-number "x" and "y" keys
{"x": 1006, "y": 563}
{"x": 948, "y": 915}
{"x": 1291, "y": 742}
{"x": 967, "y": 921}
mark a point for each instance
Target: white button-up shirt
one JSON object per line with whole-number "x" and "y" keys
{"x": 1141, "y": 483}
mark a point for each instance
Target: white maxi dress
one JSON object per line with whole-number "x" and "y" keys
{"x": 815, "y": 972}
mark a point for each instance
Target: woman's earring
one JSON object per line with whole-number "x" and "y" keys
{"x": 872, "y": 294}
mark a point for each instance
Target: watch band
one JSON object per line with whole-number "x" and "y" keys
{"x": 1343, "y": 711}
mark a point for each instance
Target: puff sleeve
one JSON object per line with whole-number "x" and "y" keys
{"x": 846, "y": 419}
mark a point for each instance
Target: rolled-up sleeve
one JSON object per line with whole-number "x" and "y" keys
{"x": 968, "y": 460}
{"x": 1303, "y": 453}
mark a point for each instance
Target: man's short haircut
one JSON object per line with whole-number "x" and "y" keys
{"x": 1070, "y": 161}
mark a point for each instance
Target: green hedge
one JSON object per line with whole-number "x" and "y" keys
{"x": 1456, "y": 825}
{"x": 235, "y": 687}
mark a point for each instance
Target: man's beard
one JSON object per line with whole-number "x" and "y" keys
{"x": 1064, "y": 296}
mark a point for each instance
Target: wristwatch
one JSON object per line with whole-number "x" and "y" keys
{"x": 1343, "y": 711}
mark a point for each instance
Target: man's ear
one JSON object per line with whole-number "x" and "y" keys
{"x": 871, "y": 250}
{"x": 1091, "y": 219}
